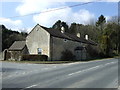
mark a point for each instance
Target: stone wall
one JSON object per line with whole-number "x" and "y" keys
{"x": 50, "y": 46}
{"x": 38, "y": 38}
{"x": 14, "y": 55}
{"x": 58, "y": 45}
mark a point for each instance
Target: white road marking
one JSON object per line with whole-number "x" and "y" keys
{"x": 91, "y": 68}
{"x": 118, "y": 87}
{"x": 54, "y": 66}
{"x": 110, "y": 63}
{"x": 99, "y": 60}
{"x": 84, "y": 70}
{"x": 23, "y": 72}
{"x": 31, "y": 86}
{"x": 45, "y": 68}
{"x": 16, "y": 72}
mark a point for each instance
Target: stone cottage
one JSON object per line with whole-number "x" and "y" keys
{"x": 50, "y": 42}
{"x": 17, "y": 49}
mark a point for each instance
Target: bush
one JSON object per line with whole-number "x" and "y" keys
{"x": 93, "y": 51}
{"x": 34, "y": 57}
{"x": 67, "y": 55}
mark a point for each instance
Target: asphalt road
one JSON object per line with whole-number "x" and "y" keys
{"x": 94, "y": 74}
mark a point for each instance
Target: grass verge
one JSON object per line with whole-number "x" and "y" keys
{"x": 43, "y": 62}
{"x": 58, "y": 62}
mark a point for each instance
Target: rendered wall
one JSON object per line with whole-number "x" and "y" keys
{"x": 38, "y": 38}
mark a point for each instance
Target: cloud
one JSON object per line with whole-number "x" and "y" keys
{"x": 48, "y": 19}
{"x": 107, "y": 18}
{"x": 12, "y": 24}
{"x": 62, "y": 0}
{"x": 112, "y": 0}
{"x": 32, "y": 6}
{"x": 89, "y": 0}
{"x": 83, "y": 16}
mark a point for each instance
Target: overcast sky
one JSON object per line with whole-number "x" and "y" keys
{"x": 82, "y": 14}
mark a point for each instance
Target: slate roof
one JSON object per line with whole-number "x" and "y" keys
{"x": 57, "y": 33}
{"x": 17, "y": 45}
{"x": 75, "y": 38}
{"x": 91, "y": 42}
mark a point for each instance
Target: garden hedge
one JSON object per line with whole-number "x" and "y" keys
{"x": 34, "y": 57}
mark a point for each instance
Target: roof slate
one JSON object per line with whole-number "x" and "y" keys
{"x": 17, "y": 45}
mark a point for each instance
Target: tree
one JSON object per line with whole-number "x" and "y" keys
{"x": 119, "y": 39}
{"x": 57, "y": 25}
{"x": 24, "y": 34}
{"x": 73, "y": 29}
{"x": 113, "y": 19}
{"x": 60, "y": 24}
{"x": 66, "y": 27}
{"x": 109, "y": 39}
{"x": 101, "y": 21}
{"x": 9, "y": 36}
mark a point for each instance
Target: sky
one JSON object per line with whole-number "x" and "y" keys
{"x": 12, "y": 12}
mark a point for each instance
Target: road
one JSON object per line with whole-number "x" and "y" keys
{"x": 93, "y": 74}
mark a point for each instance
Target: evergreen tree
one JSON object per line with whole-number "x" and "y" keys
{"x": 59, "y": 24}
{"x": 100, "y": 23}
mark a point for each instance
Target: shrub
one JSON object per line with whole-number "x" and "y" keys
{"x": 93, "y": 51}
{"x": 67, "y": 55}
{"x": 34, "y": 57}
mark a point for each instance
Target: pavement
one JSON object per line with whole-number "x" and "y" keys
{"x": 93, "y": 74}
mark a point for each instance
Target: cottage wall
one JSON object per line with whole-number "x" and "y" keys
{"x": 15, "y": 54}
{"x": 38, "y": 38}
{"x": 58, "y": 45}
{"x": 25, "y": 50}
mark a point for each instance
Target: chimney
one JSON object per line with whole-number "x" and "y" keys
{"x": 78, "y": 35}
{"x": 62, "y": 29}
{"x": 86, "y": 37}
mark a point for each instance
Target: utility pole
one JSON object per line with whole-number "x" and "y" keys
{"x": 118, "y": 47}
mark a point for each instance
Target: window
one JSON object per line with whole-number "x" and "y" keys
{"x": 39, "y": 51}
{"x": 65, "y": 40}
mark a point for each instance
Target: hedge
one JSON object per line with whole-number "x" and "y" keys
{"x": 34, "y": 57}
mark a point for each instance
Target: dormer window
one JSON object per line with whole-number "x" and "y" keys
{"x": 62, "y": 30}
{"x": 78, "y": 35}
